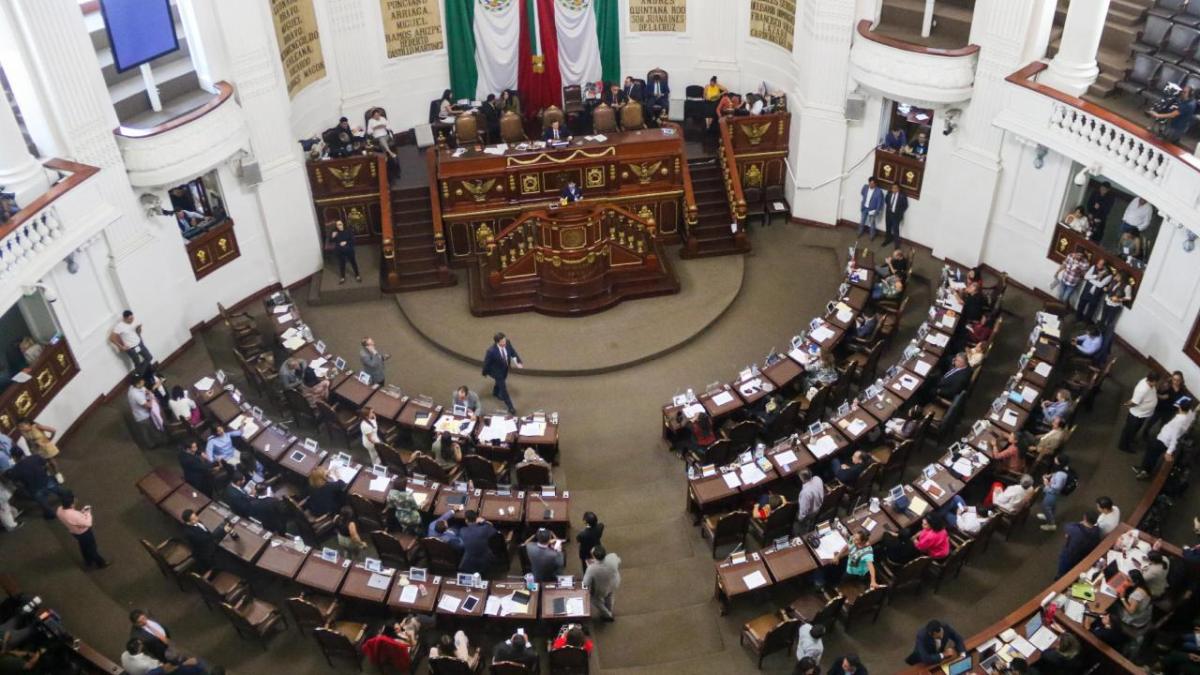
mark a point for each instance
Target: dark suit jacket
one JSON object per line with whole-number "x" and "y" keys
{"x": 972, "y": 307}
{"x": 617, "y": 100}
{"x": 326, "y": 499}
{"x": 238, "y": 501}
{"x": 154, "y": 647}
{"x": 1099, "y": 205}
{"x": 664, "y": 93}
{"x": 587, "y": 538}
{"x": 924, "y": 648}
{"x": 477, "y": 547}
{"x": 633, "y": 92}
{"x": 952, "y": 383}
{"x": 901, "y": 205}
{"x": 506, "y": 652}
{"x": 836, "y": 669}
{"x": 196, "y": 471}
{"x": 571, "y": 195}
{"x": 203, "y": 543}
{"x": 494, "y": 365}
{"x": 548, "y": 134}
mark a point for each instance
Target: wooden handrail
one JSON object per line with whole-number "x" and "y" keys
{"x": 1024, "y": 78}
{"x": 579, "y": 210}
{"x": 387, "y": 229}
{"x": 224, "y": 92}
{"x": 737, "y": 198}
{"x": 79, "y": 173}
{"x": 435, "y": 201}
{"x": 864, "y": 29}
{"x": 690, "y": 211}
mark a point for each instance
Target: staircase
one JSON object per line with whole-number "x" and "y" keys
{"x": 711, "y": 235}
{"x": 178, "y": 85}
{"x": 419, "y": 265}
{"x": 1121, "y": 27}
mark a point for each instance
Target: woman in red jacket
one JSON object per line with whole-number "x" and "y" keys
{"x": 933, "y": 540}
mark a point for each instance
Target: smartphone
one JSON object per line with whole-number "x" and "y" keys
{"x": 469, "y": 604}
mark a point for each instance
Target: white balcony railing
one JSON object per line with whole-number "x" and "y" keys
{"x": 1163, "y": 174}
{"x": 905, "y": 71}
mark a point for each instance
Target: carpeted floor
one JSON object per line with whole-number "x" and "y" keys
{"x": 613, "y": 462}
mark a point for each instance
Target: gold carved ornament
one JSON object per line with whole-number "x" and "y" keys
{"x": 910, "y": 175}
{"x": 1063, "y": 243}
{"x": 594, "y": 177}
{"x": 645, "y": 171}
{"x": 356, "y": 218}
{"x": 479, "y": 188}
{"x": 530, "y": 184}
{"x": 485, "y": 239}
{"x": 754, "y": 132}
{"x": 6, "y": 423}
{"x": 45, "y": 380}
{"x": 887, "y": 171}
{"x": 202, "y": 257}
{"x": 347, "y": 176}
{"x": 516, "y": 161}
{"x": 223, "y": 244}
{"x": 753, "y": 177}
{"x": 23, "y": 404}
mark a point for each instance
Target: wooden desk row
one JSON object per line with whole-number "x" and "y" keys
{"x": 1125, "y": 546}
{"x": 331, "y": 573}
{"x": 416, "y": 413}
{"x": 824, "y": 334}
{"x": 938, "y": 484}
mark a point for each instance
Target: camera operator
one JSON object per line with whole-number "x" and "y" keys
{"x": 1174, "y": 122}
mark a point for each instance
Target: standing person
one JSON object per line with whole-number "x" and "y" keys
{"x": 369, "y": 428}
{"x": 1173, "y": 124}
{"x": 347, "y": 533}
{"x": 476, "y": 537}
{"x": 872, "y": 202}
{"x": 603, "y": 578}
{"x": 1098, "y": 206}
{"x": 1170, "y": 393}
{"x": 372, "y": 360}
{"x": 545, "y": 555}
{"x": 1167, "y": 440}
{"x": 1081, "y": 538}
{"x": 1119, "y": 293}
{"x": 893, "y": 215}
{"x": 39, "y": 438}
{"x": 812, "y": 495}
{"x": 1053, "y": 482}
{"x": 589, "y": 537}
{"x": 499, "y": 358}
{"x": 144, "y": 408}
{"x": 1070, "y": 275}
{"x": 343, "y": 245}
{"x": 1141, "y": 406}
{"x": 127, "y": 337}
{"x": 1137, "y": 216}
{"x": 79, "y": 523}
{"x": 1095, "y": 282}
{"x": 30, "y": 472}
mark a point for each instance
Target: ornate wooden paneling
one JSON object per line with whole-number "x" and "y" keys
{"x": 760, "y": 133}
{"x": 348, "y": 189}
{"x": 1067, "y": 241}
{"x": 213, "y": 249}
{"x": 892, "y": 167}
{"x": 48, "y": 375}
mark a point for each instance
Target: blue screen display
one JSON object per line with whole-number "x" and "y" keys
{"x": 138, "y": 30}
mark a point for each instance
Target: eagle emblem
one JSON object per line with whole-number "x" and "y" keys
{"x": 645, "y": 172}
{"x": 479, "y": 188}
{"x": 347, "y": 175}
{"x": 495, "y": 5}
{"x": 755, "y": 132}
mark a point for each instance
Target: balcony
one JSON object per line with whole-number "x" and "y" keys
{"x": 1166, "y": 175}
{"x": 910, "y": 72}
{"x": 186, "y": 145}
{"x": 49, "y": 228}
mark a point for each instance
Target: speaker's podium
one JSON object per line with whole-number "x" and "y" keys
{"x": 569, "y": 260}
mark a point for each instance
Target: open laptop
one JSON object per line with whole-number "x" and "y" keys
{"x": 958, "y": 667}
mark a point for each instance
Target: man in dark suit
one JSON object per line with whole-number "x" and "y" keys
{"x": 243, "y": 496}
{"x": 633, "y": 89}
{"x": 491, "y": 113}
{"x": 554, "y": 133}
{"x": 954, "y": 380}
{"x": 516, "y": 649}
{"x": 476, "y": 537}
{"x": 197, "y": 471}
{"x": 571, "y": 192}
{"x": 496, "y": 362}
{"x": 614, "y": 96}
{"x": 936, "y": 641}
{"x": 658, "y": 95}
{"x": 203, "y": 541}
{"x": 1098, "y": 205}
{"x": 155, "y": 638}
{"x": 893, "y": 215}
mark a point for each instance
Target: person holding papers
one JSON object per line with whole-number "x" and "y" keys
{"x": 496, "y": 362}
{"x": 936, "y": 641}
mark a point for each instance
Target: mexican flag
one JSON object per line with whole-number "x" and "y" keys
{"x": 533, "y": 46}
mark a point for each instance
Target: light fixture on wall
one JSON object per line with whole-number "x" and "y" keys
{"x": 72, "y": 263}
{"x": 1039, "y": 156}
{"x": 1189, "y": 241}
{"x": 151, "y": 204}
{"x": 1081, "y": 178}
{"x": 950, "y": 122}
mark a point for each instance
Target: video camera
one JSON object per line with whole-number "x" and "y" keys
{"x": 1169, "y": 100}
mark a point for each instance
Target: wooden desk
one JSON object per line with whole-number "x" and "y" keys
{"x": 783, "y": 372}
{"x": 214, "y": 516}
{"x": 425, "y": 492}
{"x": 789, "y": 458}
{"x": 789, "y": 561}
{"x": 753, "y": 389}
{"x": 1047, "y": 349}
{"x": 875, "y": 524}
{"x": 357, "y": 584}
{"x": 451, "y": 589}
{"x": 460, "y": 427}
{"x": 501, "y": 448}
{"x": 940, "y": 489}
{"x": 882, "y": 407}
{"x": 935, "y": 342}
{"x": 904, "y": 384}
{"x": 729, "y": 402}
{"x": 552, "y": 592}
{"x": 354, "y": 392}
{"x": 323, "y": 575}
{"x": 203, "y": 396}
{"x": 184, "y": 498}
{"x": 707, "y": 494}
{"x": 826, "y": 335}
{"x": 250, "y": 426}
{"x": 505, "y": 589}
{"x": 945, "y": 320}
{"x": 159, "y": 484}
{"x": 274, "y": 442}
{"x": 820, "y": 448}
{"x": 1011, "y": 417}
{"x": 907, "y": 518}
{"x": 988, "y": 439}
{"x": 224, "y": 408}
{"x": 978, "y": 461}
{"x": 281, "y": 557}
{"x": 821, "y": 533}
{"x": 552, "y": 512}
{"x": 386, "y": 403}
{"x": 1030, "y": 393}
{"x": 419, "y": 415}
{"x": 301, "y": 461}
{"x": 862, "y": 277}
{"x": 362, "y": 487}
{"x": 505, "y": 508}
{"x": 857, "y": 296}
{"x": 426, "y": 598}
{"x": 251, "y": 539}
{"x": 1037, "y": 372}
{"x": 920, "y": 364}
{"x": 546, "y": 443}
{"x": 469, "y": 500}
{"x": 748, "y": 475}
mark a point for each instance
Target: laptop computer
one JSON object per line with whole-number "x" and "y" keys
{"x": 958, "y": 667}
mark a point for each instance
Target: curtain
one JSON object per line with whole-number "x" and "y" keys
{"x": 498, "y": 29}
{"x": 539, "y": 90}
{"x": 608, "y": 34}
{"x": 460, "y": 47}
{"x": 578, "y": 48}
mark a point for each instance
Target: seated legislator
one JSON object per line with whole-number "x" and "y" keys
{"x": 918, "y": 148}
{"x": 553, "y": 133}
{"x": 894, "y": 140}
{"x": 570, "y": 192}
{"x": 887, "y": 288}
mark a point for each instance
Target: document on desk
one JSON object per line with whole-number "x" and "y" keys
{"x": 1029, "y": 394}
{"x": 292, "y": 344}
{"x": 1023, "y": 646}
{"x": 754, "y": 580}
{"x": 821, "y": 333}
{"x": 317, "y": 362}
{"x": 420, "y": 498}
{"x": 378, "y": 581}
{"x": 832, "y": 543}
{"x": 449, "y": 603}
{"x": 205, "y": 384}
{"x": 493, "y": 606}
{"x": 1075, "y": 611}
{"x": 750, "y": 387}
{"x": 962, "y": 467}
{"x": 284, "y": 318}
{"x": 1009, "y": 417}
{"x": 751, "y": 474}
{"x": 918, "y": 506}
{"x": 533, "y": 429}
{"x": 939, "y": 339}
{"x": 908, "y": 381}
{"x": 343, "y": 472}
{"x": 948, "y": 321}
{"x": 575, "y": 606}
{"x": 1042, "y": 369}
{"x": 932, "y": 489}
{"x": 1043, "y": 638}
{"x": 856, "y": 427}
{"x": 922, "y": 368}
{"x": 723, "y": 398}
{"x": 693, "y": 410}
{"x": 823, "y": 447}
{"x": 409, "y": 594}
{"x": 378, "y": 484}
{"x": 786, "y": 458}
{"x": 731, "y": 479}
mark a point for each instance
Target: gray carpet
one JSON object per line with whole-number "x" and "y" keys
{"x": 614, "y": 463}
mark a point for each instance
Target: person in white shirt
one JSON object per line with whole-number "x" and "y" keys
{"x": 1095, "y": 283}
{"x": 1011, "y": 498}
{"x": 136, "y": 661}
{"x": 812, "y": 494}
{"x": 127, "y": 337}
{"x": 181, "y": 406}
{"x": 1137, "y": 216}
{"x": 809, "y": 643}
{"x": 968, "y": 520}
{"x": 1168, "y": 438}
{"x": 369, "y": 428}
{"x": 1109, "y": 515}
{"x": 1077, "y": 221}
{"x": 377, "y": 128}
{"x": 1141, "y": 406}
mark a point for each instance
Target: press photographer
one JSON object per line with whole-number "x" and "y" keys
{"x": 1173, "y": 116}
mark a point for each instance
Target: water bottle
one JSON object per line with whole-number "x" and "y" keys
{"x": 478, "y": 580}
{"x": 530, "y": 584}
{"x": 691, "y": 395}
{"x": 759, "y": 450}
{"x": 691, "y": 472}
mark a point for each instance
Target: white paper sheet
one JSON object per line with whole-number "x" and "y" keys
{"x": 292, "y": 344}
{"x": 821, "y": 333}
{"x": 723, "y": 398}
{"x": 1009, "y": 417}
{"x": 449, "y": 603}
{"x": 533, "y": 429}
{"x": 751, "y": 474}
{"x": 786, "y": 458}
{"x": 918, "y": 506}
{"x": 856, "y": 427}
{"x": 693, "y": 410}
{"x": 754, "y": 579}
{"x": 575, "y": 606}
{"x": 922, "y": 368}
{"x": 1029, "y": 394}
{"x": 909, "y": 382}
{"x": 420, "y": 498}
{"x": 1042, "y": 369}
{"x": 378, "y": 581}
{"x": 409, "y": 594}
{"x": 378, "y": 484}
{"x": 731, "y": 479}
{"x": 823, "y": 447}
{"x": 1023, "y": 646}
{"x": 1075, "y": 611}
{"x": 948, "y": 321}
{"x": 205, "y": 384}
{"x": 1043, "y": 638}
{"x": 832, "y": 543}
{"x": 493, "y": 606}
{"x": 939, "y": 339}
{"x": 284, "y": 318}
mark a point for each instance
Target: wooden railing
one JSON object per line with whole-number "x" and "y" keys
{"x": 387, "y": 229}
{"x": 729, "y": 170}
{"x": 690, "y": 213}
{"x": 865, "y": 30}
{"x": 224, "y": 93}
{"x": 435, "y": 202}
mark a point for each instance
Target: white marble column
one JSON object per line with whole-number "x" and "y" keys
{"x": 20, "y": 171}
{"x": 1073, "y": 69}
{"x": 357, "y": 50}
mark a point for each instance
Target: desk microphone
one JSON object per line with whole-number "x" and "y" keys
{"x": 549, "y": 512}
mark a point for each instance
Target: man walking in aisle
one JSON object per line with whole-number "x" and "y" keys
{"x": 499, "y": 358}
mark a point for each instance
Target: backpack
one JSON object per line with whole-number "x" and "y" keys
{"x": 1072, "y": 482}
